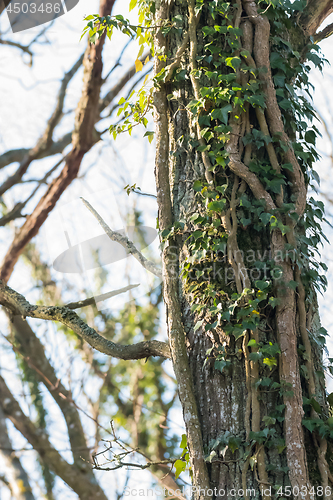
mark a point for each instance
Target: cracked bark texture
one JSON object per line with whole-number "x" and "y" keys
{"x": 221, "y": 397}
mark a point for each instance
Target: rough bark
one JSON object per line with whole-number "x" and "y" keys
{"x": 170, "y": 272}
{"x": 231, "y": 401}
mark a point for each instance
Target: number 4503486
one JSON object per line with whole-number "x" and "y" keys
{"x": 33, "y": 8}
{"x": 319, "y": 491}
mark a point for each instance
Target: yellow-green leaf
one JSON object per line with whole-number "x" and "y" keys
{"x": 132, "y": 4}
{"x": 138, "y": 65}
{"x": 180, "y": 466}
{"x": 183, "y": 443}
{"x": 270, "y": 362}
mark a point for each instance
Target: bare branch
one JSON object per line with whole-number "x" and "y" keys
{"x": 315, "y": 14}
{"x": 32, "y": 350}
{"x": 24, "y": 48}
{"x": 18, "y": 305}
{"x": 15, "y": 470}
{"x": 144, "y": 194}
{"x": 122, "y": 450}
{"x": 118, "y": 61}
{"x": 3, "y": 5}
{"x": 83, "y": 485}
{"x": 325, "y": 33}
{"x": 16, "y": 212}
{"x": 124, "y": 242}
{"x": 83, "y": 138}
{"x": 108, "y": 98}
{"x": 18, "y": 155}
{"x": 99, "y": 298}
{"x": 45, "y": 141}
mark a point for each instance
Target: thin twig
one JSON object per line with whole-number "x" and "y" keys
{"x": 99, "y": 298}
{"x": 124, "y": 242}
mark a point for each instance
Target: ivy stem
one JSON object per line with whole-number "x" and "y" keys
{"x": 196, "y": 85}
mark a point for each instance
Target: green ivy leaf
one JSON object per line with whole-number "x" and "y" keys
{"x": 274, "y": 301}
{"x": 233, "y": 444}
{"x": 220, "y": 161}
{"x": 132, "y": 4}
{"x": 277, "y": 61}
{"x": 330, "y": 399}
{"x": 220, "y": 364}
{"x": 238, "y": 333}
{"x": 279, "y": 80}
{"x": 310, "y": 136}
{"x": 262, "y": 284}
{"x": 217, "y": 205}
{"x": 245, "y": 222}
{"x": 293, "y": 284}
{"x": 265, "y": 218}
{"x": 183, "y": 443}
{"x": 222, "y": 113}
{"x": 197, "y": 186}
{"x": 198, "y": 325}
{"x": 255, "y": 356}
{"x": 211, "y": 326}
{"x": 315, "y": 405}
{"x": 265, "y": 382}
{"x": 180, "y": 466}
{"x": 210, "y": 456}
{"x": 269, "y": 420}
{"x": 197, "y": 234}
{"x": 150, "y": 136}
{"x": 309, "y": 424}
{"x": 93, "y": 38}
{"x": 233, "y": 62}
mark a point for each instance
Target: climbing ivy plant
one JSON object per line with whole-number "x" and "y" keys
{"x": 248, "y": 243}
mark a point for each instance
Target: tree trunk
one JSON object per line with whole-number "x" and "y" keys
{"x": 232, "y": 167}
